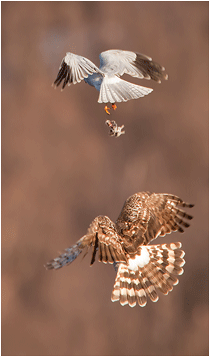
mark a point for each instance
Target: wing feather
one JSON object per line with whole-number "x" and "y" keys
{"x": 146, "y": 216}
{"x": 74, "y": 69}
{"x": 135, "y": 64}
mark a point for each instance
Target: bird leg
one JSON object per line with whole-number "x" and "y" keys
{"x": 107, "y": 109}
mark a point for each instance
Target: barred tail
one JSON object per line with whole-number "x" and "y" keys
{"x": 70, "y": 254}
{"x": 154, "y": 267}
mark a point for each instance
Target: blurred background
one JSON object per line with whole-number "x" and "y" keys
{"x": 61, "y": 169}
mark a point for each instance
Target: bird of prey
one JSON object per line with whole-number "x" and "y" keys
{"x": 142, "y": 269}
{"x": 106, "y": 78}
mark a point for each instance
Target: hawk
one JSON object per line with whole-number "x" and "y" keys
{"x": 142, "y": 269}
{"x": 106, "y": 78}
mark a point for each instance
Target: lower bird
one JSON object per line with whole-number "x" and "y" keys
{"x": 106, "y": 79}
{"x": 142, "y": 269}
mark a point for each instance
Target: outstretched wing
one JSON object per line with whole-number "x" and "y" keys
{"x": 102, "y": 237}
{"x": 146, "y": 216}
{"x": 70, "y": 254}
{"x": 74, "y": 69}
{"x": 120, "y": 62}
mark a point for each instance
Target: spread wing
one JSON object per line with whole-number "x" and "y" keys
{"x": 146, "y": 216}
{"x": 74, "y": 69}
{"x": 102, "y": 237}
{"x": 120, "y": 62}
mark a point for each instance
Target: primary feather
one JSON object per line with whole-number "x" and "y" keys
{"x": 113, "y": 64}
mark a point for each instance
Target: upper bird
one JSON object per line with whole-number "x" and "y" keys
{"x": 113, "y": 64}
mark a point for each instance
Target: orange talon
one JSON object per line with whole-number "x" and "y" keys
{"x": 114, "y": 106}
{"x": 107, "y": 110}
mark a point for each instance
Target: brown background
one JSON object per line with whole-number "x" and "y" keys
{"x": 61, "y": 169}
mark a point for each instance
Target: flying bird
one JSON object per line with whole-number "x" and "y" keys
{"x": 142, "y": 269}
{"x": 106, "y": 79}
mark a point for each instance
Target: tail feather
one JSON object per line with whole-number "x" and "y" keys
{"x": 140, "y": 294}
{"x": 117, "y": 90}
{"x": 149, "y": 287}
{"x": 160, "y": 277}
{"x": 153, "y": 268}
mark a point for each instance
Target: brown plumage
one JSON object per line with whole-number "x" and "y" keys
{"x": 142, "y": 268}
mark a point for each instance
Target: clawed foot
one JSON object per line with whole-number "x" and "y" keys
{"x": 107, "y": 110}
{"x": 114, "y": 107}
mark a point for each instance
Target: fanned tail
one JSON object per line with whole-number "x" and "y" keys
{"x": 154, "y": 267}
{"x": 115, "y": 89}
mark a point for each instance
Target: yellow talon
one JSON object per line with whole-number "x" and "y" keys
{"x": 114, "y": 106}
{"x": 107, "y": 110}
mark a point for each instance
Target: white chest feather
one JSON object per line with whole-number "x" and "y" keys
{"x": 140, "y": 260}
